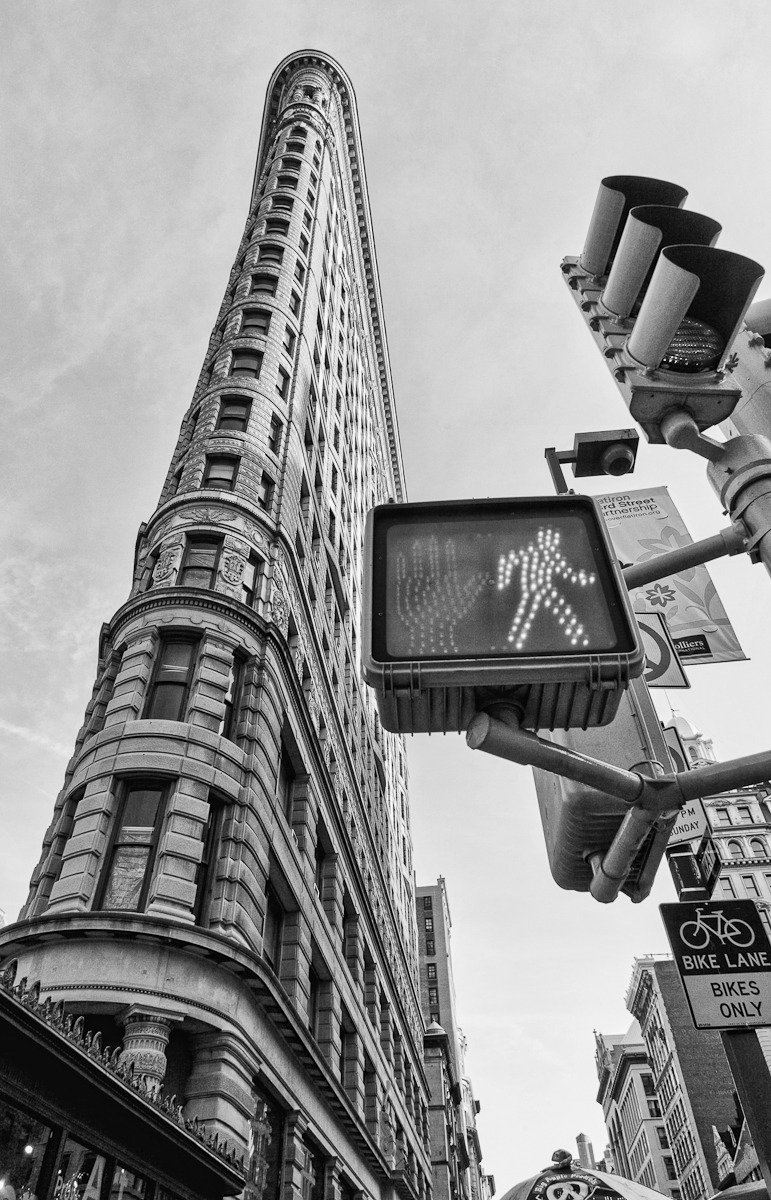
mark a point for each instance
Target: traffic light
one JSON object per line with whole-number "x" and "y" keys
{"x": 581, "y": 823}
{"x": 662, "y": 302}
{"x": 472, "y": 602}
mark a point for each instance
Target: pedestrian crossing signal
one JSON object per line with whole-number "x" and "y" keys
{"x": 522, "y": 597}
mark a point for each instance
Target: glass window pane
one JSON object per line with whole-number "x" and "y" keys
{"x": 141, "y": 808}
{"x": 23, "y": 1142}
{"x": 126, "y": 1185}
{"x": 167, "y": 701}
{"x": 127, "y": 874}
{"x": 80, "y": 1174}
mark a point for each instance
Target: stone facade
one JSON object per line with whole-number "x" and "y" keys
{"x": 226, "y": 884}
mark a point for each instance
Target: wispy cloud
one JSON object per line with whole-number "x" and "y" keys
{"x": 37, "y": 739}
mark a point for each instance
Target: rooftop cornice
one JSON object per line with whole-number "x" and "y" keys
{"x": 352, "y": 144}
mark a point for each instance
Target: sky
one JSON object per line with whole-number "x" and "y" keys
{"x": 128, "y": 142}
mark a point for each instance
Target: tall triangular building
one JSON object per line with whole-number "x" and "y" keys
{"x": 225, "y": 889}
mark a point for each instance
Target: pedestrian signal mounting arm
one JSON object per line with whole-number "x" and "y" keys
{"x": 649, "y": 801}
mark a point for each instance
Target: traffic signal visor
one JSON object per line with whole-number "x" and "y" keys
{"x": 662, "y": 302}
{"x": 518, "y": 600}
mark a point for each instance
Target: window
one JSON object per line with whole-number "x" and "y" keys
{"x": 204, "y": 873}
{"x": 758, "y": 848}
{"x": 304, "y": 244}
{"x": 234, "y": 413}
{"x": 728, "y": 889}
{"x": 274, "y": 437}
{"x": 429, "y": 923}
{"x": 435, "y": 1016}
{"x": 669, "y": 1167}
{"x": 744, "y": 813}
{"x": 298, "y": 131}
{"x": 286, "y": 181}
{"x": 430, "y": 947}
{"x": 431, "y": 970}
{"x": 265, "y": 490}
{"x": 294, "y": 303}
{"x": 270, "y": 253}
{"x": 272, "y": 929}
{"x": 220, "y": 472}
{"x": 282, "y": 383}
{"x": 295, "y": 147}
{"x": 428, "y": 902}
{"x": 129, "y": 865}
{"x": 285, "y": 781}
{"x": 735, "y": 850}
{"x": 299, "y": 272}
{"x": 307, "y": 220}
{"x": 276, "y": 225}
{"x": 167, "y": 696}
{"x": 283, "y": 203}
{"x": 235, "y": 686}
{"x": 314, "y": 988}
{"x": 250, "y": 580}
{"x": 661, "y": 1133}
{"x": 291, "y": 164}
{"x": 264, "y": 284}
{"x": 723, "y": 816}
{"x": 751, "y": 886}
{"x": 246, "y": 362}
{"x": 433, "y": 995}
{"x": 290, "y": 339}
{"x": 267, "y": 1147}
{"x": 255, "y": 322}
{"x": 199, "y": 566}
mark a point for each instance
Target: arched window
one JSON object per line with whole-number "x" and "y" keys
{"x": 735, "y": 850}
{"x": 758, "y": 847}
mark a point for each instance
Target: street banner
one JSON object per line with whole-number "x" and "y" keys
{"x": 644, "y": 524}
{"x": 724, "y": 958}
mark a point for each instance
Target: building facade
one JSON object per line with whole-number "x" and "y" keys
{"x": 225, "y": 889}
{"x": 456, "y": 1152}
{"x": 691, "y": 1080}
{"x": 638, "y": 1142}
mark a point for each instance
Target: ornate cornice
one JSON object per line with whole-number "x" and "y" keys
{"x": 352, "y": 146}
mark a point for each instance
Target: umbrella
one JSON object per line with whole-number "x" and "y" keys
{"x": 566, "y": 1180}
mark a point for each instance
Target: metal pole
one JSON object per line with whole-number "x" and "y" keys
{"x": 731, "y": 540}
{"x": 753, "y": 1085}
{"x": 553, "y": 459}
{"x": 507, "y": 740}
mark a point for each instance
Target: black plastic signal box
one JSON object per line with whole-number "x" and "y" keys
{"x": 476, "y": 601}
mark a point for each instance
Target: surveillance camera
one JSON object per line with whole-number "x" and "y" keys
{"x": 617, "y": 459}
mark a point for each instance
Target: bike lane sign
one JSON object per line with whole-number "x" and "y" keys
{"x": 723, "y": 955}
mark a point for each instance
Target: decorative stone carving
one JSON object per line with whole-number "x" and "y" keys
{"x": 232, "y": 566}
{"x": 144, "y": 1045}
{"x": 210, "y": 515}
{"x": 165, "y": 570}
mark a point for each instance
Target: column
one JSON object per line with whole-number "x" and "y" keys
{"x": 145, "y": 1038}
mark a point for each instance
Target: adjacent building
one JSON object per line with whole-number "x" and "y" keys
{"x": 225, "y": 893}
{"x": 456, "y": 1152}
{"x": 638, "y": 1142}
{"x": 690, "y": 1081}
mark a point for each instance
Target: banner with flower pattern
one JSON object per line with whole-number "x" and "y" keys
{"x": 643, "y": 524}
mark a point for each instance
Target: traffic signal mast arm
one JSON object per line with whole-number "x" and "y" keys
{"x": 731, "y": 540}
{"x": 648, "y": 801}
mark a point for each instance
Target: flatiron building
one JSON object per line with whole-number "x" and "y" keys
{"x": 225, "y": 890}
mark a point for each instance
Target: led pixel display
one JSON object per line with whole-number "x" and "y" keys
{"x": 501, "y": 579}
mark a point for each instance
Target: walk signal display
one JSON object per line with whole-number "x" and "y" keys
{"x": 501, "y": 594}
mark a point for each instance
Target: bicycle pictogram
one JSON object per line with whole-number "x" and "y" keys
{"x": 698, "y": 932}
